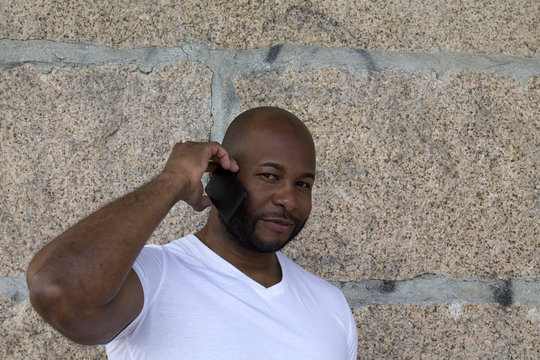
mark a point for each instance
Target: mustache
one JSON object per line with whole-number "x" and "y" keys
{"x": 280, "y": 214}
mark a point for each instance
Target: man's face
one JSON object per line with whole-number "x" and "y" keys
{"x": 243, "y": 229}
{"x": 277, "y": 169}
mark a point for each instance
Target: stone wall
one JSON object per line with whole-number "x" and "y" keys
{"x": 426, "y": 118}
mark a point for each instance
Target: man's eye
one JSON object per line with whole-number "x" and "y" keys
{"x": 269, "y": 176}
{"x": 304, "y": 184}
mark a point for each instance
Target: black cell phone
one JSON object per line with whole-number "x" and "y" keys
{"x": 226, "y": 192}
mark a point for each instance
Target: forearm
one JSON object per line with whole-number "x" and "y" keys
{"x": 90, "y": 261}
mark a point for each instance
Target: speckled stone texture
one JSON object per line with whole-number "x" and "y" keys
{"x": 415, "y": 175}
{"x": 448, "y": 332}
{"x": 509, "y": 26}
{"x": 23, "y": 336}
{"x": 75, "y": 139}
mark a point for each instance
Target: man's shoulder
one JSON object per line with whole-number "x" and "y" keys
{"x": 183, "y": 249}
{"x": 180, "y": 245}
{"x": 311, "y": 280}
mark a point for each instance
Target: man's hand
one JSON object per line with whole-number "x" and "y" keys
{"x": 186, "y": 166}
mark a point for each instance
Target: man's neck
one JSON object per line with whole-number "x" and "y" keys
{"x": 263, "y": 268}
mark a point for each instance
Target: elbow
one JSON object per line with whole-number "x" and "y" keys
{"x": 59, "y": 307}
{"x": 44, "y": 290}
{"x": 49, "y": 300}
{"x": 46, "y": 297}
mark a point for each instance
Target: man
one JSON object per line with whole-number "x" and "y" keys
{"x": 225, "y": 292}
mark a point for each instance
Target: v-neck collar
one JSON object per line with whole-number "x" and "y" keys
{"x": 224, "y": 265}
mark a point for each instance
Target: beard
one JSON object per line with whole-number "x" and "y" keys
{"x": 242, "y": 229}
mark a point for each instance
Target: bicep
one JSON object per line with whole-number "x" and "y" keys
{"x": 125, "y": 307}
{"x": 143, "y": 280}
{"x": 102, "y": 325}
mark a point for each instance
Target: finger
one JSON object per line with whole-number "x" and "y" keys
{"x": 220, "y": 155}
{"x": 234, "y": 165}
{"x": 213, "y": 165}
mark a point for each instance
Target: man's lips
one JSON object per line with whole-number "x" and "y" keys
{"x": 278, "y": 224}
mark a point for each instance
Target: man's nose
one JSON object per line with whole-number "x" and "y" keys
{"x": 285, "y": 196}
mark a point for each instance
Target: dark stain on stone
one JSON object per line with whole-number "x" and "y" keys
{"x": 388, "y": 286}
{"x": 502, "y": 293}
{"x": 368, "y": 59}
{"x": 273, "y": 53}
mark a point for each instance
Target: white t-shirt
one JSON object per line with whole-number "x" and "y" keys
{"x": 199, "y": 306}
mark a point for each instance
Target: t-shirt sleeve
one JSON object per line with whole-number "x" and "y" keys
{"x": 352, "y": 338}
{"x": 149, "y": 269}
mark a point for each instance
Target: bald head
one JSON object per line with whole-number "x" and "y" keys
{"x": 270, "y": 121}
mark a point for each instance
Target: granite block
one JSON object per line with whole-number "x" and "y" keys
{"x": 415, "y": 175}
{"x": 24, "y": 335}
{"x": 448, "y": 332}
{"x": 74, "y": 139}
{"x": 507, "y": 26}
{"x": 384, "y": 332}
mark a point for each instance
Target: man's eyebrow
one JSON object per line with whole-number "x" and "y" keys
{"x": 281, "y": 168}
{"x": 274, "y": 165}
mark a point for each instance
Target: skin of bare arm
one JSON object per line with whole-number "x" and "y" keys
{"x": 82, "y": 282}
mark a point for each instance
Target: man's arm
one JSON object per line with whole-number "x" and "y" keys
{"x": 82, "y": 282}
